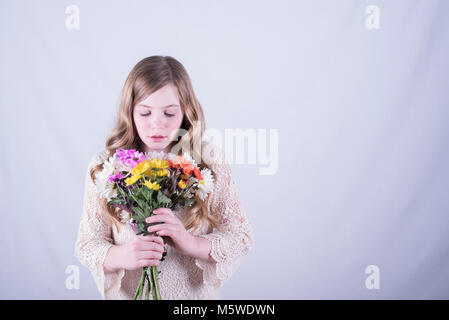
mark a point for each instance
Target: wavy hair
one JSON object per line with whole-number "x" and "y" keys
{"x": 149, "y": 75}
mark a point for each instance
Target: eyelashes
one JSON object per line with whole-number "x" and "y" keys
{"x": 167, "y": 114}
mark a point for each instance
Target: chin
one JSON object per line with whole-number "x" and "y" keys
{"x": 156, "y": 146}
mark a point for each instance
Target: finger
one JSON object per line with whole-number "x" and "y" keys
{"x": 161, "y": 218}
{"x": 145, "y": 255}
{"x": 157, "y": 227}
{"x": 162, "y": 211}
{"x": 167, "y": 232}
{"x": 165, "y": 226}
{"x": 151, "y": 246}
{"x": 150, "y": 238}
{"x": 148, "y": 262}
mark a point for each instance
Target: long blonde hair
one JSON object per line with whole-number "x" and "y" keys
{"x": 149, "y": 75}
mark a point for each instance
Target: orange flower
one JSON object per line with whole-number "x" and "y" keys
{"x": 173, "y": 164}
{"x": 183, "y": 163}
{"x": 187, "y": 170}
{"x": 197, "y": 173}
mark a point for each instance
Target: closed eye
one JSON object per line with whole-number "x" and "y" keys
{"x": 167, "y": 114}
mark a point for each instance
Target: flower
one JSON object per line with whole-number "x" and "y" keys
{"x": 103, "y": 185}
{"x": 157, "y": 172}
{"x": 188, "y": 158}
{"x": 152, "y": 185}
{"x": 141, "y": 167}
{"x": 125, "y": 217}
{"x": 159, "y": 163}
{"x": 157, "y": 155}
{"x": 206, "y": 184}
{"x": 179, "y": 176}
{"x": 113, "y": 178}
{"x": 182, "y": 184}
{"x": 131, "y": 157}
{"x": 133, "y": 179}
{"x": 181, "y": 162}
{"x": 197, "y": 173}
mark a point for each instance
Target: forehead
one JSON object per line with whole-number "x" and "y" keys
{"x": 166, "y": 96}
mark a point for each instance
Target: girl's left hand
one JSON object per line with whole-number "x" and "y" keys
{"x": 173, "y": 230}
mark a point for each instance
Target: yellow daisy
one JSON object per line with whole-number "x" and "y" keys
{"x": 159, "y": 163}
{"x": 141, "y": 167}
{"x": 133, "y": 179}
{"x": 152, "y": 185}
{"x": 158, "y": 173}
{"x": 162, "y": 173}
{"x": 182, "y": 184}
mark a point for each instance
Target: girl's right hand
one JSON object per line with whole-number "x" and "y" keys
{"x": 142, "y": 251}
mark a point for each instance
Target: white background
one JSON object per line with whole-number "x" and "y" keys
{"x": 362, "y": 117}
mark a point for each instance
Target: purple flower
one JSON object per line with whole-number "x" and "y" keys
{"x": 115, "y": 177}
{"x": 132, "y": 157}
{"x": 134, "y": 226}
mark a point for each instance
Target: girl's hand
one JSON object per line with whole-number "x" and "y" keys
{"x": 172, "y": 228}
{"x": 142, "y": 251}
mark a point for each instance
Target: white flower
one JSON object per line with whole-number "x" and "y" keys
{"x": 103, "y": 186}
{"x": 156, "y": 155}
{"x": 206, "y": 185}
{"x": 189, "y": 158}
{"x": 186, "y": 155}
{"x": 125, "y": 217}
{"x": 120, "y": 166}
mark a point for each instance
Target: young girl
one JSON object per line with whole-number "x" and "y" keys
{"x": 205, "y": 242}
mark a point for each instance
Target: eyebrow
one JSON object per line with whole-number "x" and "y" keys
{"x": 147, "y": 106}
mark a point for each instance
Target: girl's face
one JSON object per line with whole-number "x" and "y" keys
{"x": 160, "y": 114}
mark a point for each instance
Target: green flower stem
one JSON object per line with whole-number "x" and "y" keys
{"x": 149, "y": 286}
{"x": 121, "y": 192}
{"x": 156, "y": 293}
{"x": 138, "y": 294}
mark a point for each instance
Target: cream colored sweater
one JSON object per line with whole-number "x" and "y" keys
{"x": 181, "y": 277}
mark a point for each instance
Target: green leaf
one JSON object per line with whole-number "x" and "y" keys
{"x": 139, "y": 219}
{"x": 141, "y": 228}
{"x": 161, "y": 198}
{"x": 116, "y": 200}
{"x": 146, "y": 193}
{"x": 140, "y": 202}
{"x": 139, "y": 212}
{"x": 149, "y": 211}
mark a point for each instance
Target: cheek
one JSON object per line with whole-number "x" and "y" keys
{"x": 139, "y": 122}
{"x": 175, "y": 122}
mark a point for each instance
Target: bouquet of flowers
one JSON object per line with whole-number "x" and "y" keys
{"x": 138, "y": 183}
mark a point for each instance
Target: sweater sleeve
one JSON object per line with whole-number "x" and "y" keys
{"x": 95, "y": 239}
{"x": 234, "y": 240}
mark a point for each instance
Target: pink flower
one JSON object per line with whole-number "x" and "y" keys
{"x": 131, "y": 157}
{"x": 115, "y": 177}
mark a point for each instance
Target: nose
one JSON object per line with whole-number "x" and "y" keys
{"x": 157, "y": 121}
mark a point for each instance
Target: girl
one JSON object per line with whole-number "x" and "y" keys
{"x": 206, "y": 241}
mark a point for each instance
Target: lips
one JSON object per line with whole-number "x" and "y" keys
{"x": 157, "y": 138}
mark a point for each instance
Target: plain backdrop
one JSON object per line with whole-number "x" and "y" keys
{"x": 362, "y": 117}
